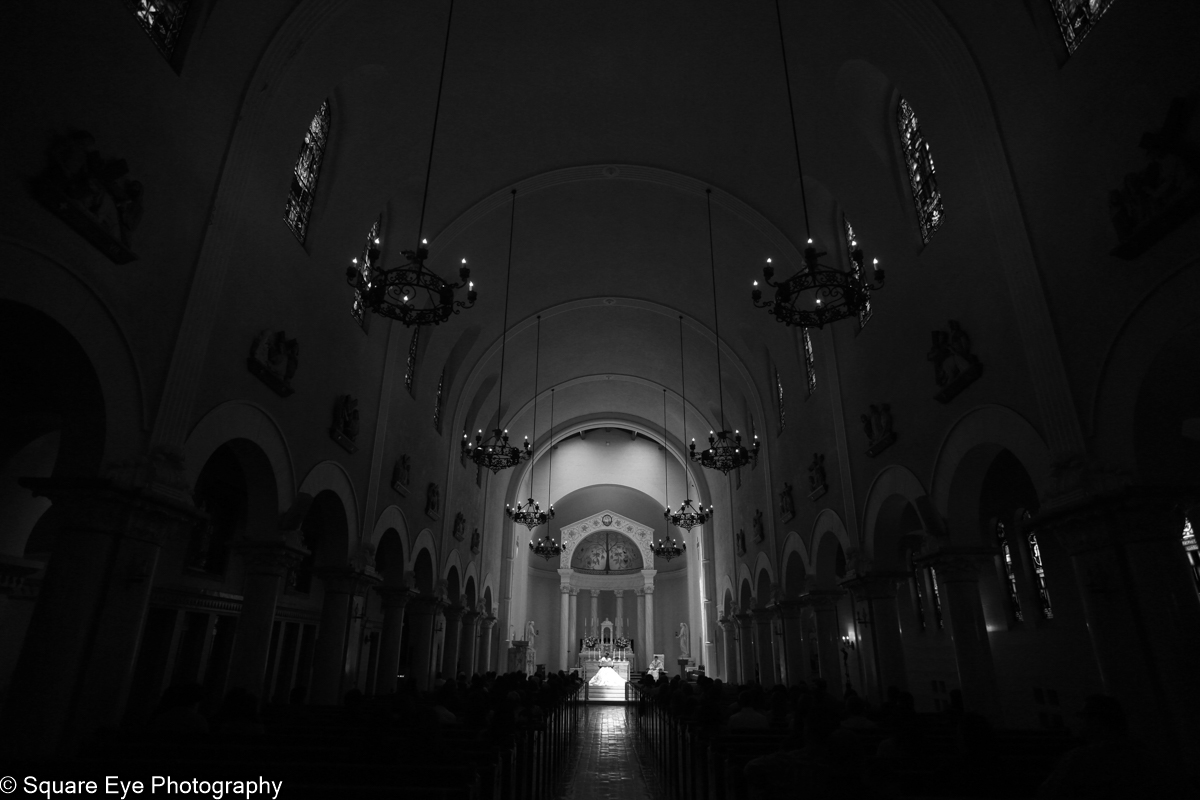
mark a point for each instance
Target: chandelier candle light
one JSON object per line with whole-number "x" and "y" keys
{"x": 496, "y": 453}
{"x": 530, "y": 513}
{"x": 688, "y": 516}
{"x": 412, "y": 293}
{"x": 546, "y": 547}
{"x": 725, "y": 451}
{"x": 817, "y": 294}
{"x": 664, "y": 549}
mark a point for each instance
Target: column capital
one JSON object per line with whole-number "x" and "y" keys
{"x": 1125, "y": 516}
{"x": 346, "y": 580}
{"x": 574, "y": 591}
{"x": 726, "y": 624}
{"x": 875, "y": 585}
{"x": 790, "y": 608}
{"x": 470, "y": 616}
{"x": 822, "y": 599}
{"x": 958, "y": 563}
{"x": 744, "y": 619}
{"x": 487, "y": 622}
{"x": 426, "y": 604}
{"x": 269, "y": 556}
{"x": 648, "y": 590}
{"x": 565, "y": 589}
{"x": 595, "y": 592}
{"x": 618, "y": 592}
{"x": 393, "y": 596}
{"x": 763, "y": 614}
{"x": 453, "y": 613}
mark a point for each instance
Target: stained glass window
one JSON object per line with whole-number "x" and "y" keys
{"x": 358, "y": 309}
{"x": 864, "y": 313}
{"x": 437, "y": 403}
{"x": 1076, "y": 18}
{"x": 810, "y": 366}
{"x": 937, "y": 599}
{"x": 410, "y": 367}
{"x": 162, "y": 20}
{"x": 304, "y": 174}
{"x": 1010, "y": 576}
{"x": 920, "y": 171}
{"x": 779, "y": 399}
{"x": 1039, "y": 571}
{"x": 1193, "y": 553}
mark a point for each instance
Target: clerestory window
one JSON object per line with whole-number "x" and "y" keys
{"x": 305, "y": 174}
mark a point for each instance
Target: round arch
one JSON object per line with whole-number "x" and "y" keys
{"x": 793, "y": 545}
{"x": 391, "y": 517}
{"x": 829, "y": 532}
{"x": 880, "y": 508}
{"x": 424, "y": 541}
{"x": 332, "y": 476}
{"x": 236, "y": 419}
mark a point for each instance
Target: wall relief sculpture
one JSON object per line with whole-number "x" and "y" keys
{"x": 433, "y": 501}
{"x": 787, "y": 503}
{"x": 273, "y": 360}
{"x": 92, "y": 194}
{"x": 344, "y": 429}
{"x": 741, "y": 542}
{"x": 460, "y": 526}
{"x": 402, "y": 474}
{"x": 1155, "y": 200}
{"x": 817, "y": 483}
{"x": 760, "y": 532}
{"x": 475, "y": 541}
{"x": 955, "y": 367}
{"x": 877, "y": 425}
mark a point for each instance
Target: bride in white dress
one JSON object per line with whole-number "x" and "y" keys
{"x": 606, "y": 676}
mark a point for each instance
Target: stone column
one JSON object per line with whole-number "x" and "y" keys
{"x": 643, "y": 657}
{"x": 77, "y": 659}
{"x": 485, "y": 644}
{"x": 266, "y": 564}
{"x": 395, "y": 599}
{"x": 729, "y": 642}
{"x": 1140, "y": 606}
{"x": 329, "y": 662}
{"x": 594, "y": 625}
{"x": 764, "y": 635}
{"x": 422, "y": 611}
{"x": 469, "y": 640}
{"x": 573, "y": 625}
{"x": 829, "y": 640}
{"x": 745, "y": 632}
{"x": 958, "y": 572}
{"x": 649, "y": 620}
{"x": 564, "y": 625}
{"x": 620, "y": 593}
{"x": 882, "y": 632}
{"x": 451, "y": 640}
{"x": 795, "y": 653}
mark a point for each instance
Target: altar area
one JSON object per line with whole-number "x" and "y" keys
{"x": 605, "y": 650}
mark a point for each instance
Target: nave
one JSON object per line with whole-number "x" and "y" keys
{"x": 607, "y": 761}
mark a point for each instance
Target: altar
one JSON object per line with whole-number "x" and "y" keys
{"x": 605, "y": 650}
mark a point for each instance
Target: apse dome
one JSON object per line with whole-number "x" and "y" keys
{"x": 607, "y": 551}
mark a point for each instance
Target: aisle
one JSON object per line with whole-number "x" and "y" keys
{"x": 605, "y": 764}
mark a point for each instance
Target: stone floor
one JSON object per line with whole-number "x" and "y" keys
{"x": 606, "y": 762}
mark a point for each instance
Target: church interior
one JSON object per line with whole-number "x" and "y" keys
{"x": 354, "y": 349}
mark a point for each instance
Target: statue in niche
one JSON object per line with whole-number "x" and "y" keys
{"x": 685, "y": 642}
{"x": 475, "y": 541}
{"x": 92, "y": 194}
{"x": 274, "y": 359}
{"x": 759, "y": 528}
{"x": 460, "y": 526}
{"x": 433, "y": 501}
{"x": 787, "y": 503}
{"x": 878, "y": 428}
{"x": 741, "y": 542}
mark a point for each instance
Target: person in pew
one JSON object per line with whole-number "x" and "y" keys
{"x": 1111, "y": 762}
{"x": 179, "y": 711}
{"x": 747, "y": 717}
{"x": 238, "y": 715}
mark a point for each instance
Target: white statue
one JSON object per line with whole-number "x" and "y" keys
{"x": 530, "y": 633}
{"x": 684, "y": 641}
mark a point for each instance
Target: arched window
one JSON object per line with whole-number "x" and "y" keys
{"x": 410, "y": 367}
{"x": 1039, "y": 571}
{"x": 358, "y": 309}
{"x": 864, "y": 313}
{"x": 810, "y": 366}
{"x": 304, "y": 174}
{"x": 937, "y": 599}
{"x": 916, "y": 577}
{"x": 1076, "y": 18}
{"x": 1010, "y": 575}
{"x": 437, "y": 402}
{"x": 1193, "y": 554}
{"x": 921, "y": 177}
{"x": 162, "y": 20}
{"x": 779, "y": 400}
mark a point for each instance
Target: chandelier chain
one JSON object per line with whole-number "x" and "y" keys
{"x": 512, "y": 221}
{"x": 433, "y": 136}
{"x": 787, "y": 80}
{"x": 712, "y": 260}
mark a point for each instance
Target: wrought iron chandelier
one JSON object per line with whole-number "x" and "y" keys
{"x": 530, "y": 513}
{"x": 667, "y": 550}
{"x": 818, "y": 294}
{"x": 725, "y": 450}
{"x": 688, "y": 516}
{"x": 412, "y": 293}
{"x": 546, "y": 547}
{"x": 495, "y": 453}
